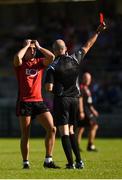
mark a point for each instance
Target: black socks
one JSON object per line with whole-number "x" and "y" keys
{"x": 75, "y": 147}
{"x": 67, "y": 148}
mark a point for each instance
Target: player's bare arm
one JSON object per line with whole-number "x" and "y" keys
{"x": 81, "y": 108}
{"x": 19, "y": 56}
{"x": 93, "y": 38}
{"x": 49, "y": 56}
{"x": 94, "y": 111}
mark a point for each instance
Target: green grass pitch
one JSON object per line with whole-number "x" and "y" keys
{"x": 105, "y": 164}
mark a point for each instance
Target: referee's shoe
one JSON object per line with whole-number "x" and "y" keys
{"x": 79, "y": 165}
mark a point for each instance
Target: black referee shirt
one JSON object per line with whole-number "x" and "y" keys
{"x": 64, "y": 72}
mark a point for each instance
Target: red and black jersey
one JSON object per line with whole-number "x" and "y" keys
{"x": 87, "y": 98}
{"x": 29, "y": 76}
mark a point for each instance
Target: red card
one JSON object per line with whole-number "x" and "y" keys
{"x": 101, "y": 18}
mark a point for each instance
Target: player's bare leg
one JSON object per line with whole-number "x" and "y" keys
{"x": 24, "y": 144}
{"x": 91, "y": 137}
{"x": 46, "y": 120}
{"x": 80, "y": 132}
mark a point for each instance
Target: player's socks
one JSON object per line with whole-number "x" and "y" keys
{"x": 91, "y": 147}
{"x": 75, "y": 147}
{"x": 48, "y": 159}
{"x": 67, "y": 148}
{"x": 26, "y": 164}
{"x": 49, "y": 163}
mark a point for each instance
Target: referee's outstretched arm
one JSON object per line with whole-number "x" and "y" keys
{"x": 93, "y": 38}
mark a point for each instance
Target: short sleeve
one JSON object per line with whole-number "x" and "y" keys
{"x": 49, "y": 78}
{"x": 79, "y": 55}
{"x": 41, "y": 62}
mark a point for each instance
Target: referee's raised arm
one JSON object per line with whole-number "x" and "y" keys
{"x": 93, "y": 38}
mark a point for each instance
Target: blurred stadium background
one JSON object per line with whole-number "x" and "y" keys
{"x": 74, "y": 21}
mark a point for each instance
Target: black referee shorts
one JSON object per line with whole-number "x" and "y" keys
{"x": 30, "y": 108}
{"x": 65, "y": 110}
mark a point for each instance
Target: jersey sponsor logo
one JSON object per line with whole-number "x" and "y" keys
{"x": 31, "y": 72}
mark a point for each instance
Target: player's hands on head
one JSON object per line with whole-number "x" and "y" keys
{"x": 37, "y": 44}
{"x": 101, "y": 27}
{"x": 27, "y": 42}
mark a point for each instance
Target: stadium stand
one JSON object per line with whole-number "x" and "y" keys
{"x": 74, "y": 22}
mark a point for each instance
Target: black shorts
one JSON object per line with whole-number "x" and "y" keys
{"x": 30, "y": 108}
{"x": 87, "y": 121}
{"x": 65, "y": 110}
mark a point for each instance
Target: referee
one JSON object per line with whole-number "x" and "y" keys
{"x": 62, "y": 79}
